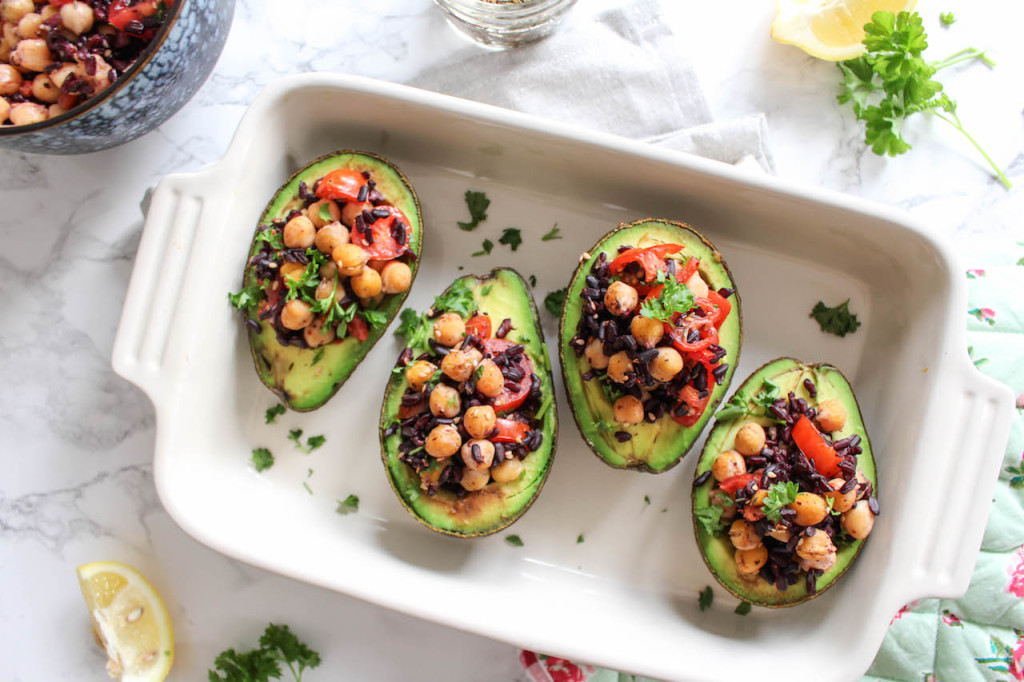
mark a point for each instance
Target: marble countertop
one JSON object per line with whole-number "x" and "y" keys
{"x": 78, "y": 440}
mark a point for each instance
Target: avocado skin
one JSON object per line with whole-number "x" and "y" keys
{"x": 497, "y": 506}
{"x": 717, "y": 551}
{"x": 289, "y": 371}
{"x": 654, "y": 448}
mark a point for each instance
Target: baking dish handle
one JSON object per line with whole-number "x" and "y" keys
{"x": 168, "y": 236}
{"x": 975, "y": 426}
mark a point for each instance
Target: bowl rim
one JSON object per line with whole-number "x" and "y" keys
{"x": 122, "y": 80}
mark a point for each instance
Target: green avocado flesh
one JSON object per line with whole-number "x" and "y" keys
{"x": 659, "y": 446}
{"x": 305, "y": 378}
{"x": 718, "y": 551}
{"x": 501, "y": 294}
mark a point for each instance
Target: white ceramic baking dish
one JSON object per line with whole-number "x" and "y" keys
{"x": 626, "y": 597}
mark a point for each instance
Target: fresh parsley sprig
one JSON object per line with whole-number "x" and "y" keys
{"x": 740, "y": 405}
{"x": 417, "y": 329}
{"x": 511, "y": 237}
{"x": 837, "y": 320}
{"x": 780, "y": 495}
{"x": 277, "y": 645}
{"x": 477, "y": 203}
{"x": 674, "y": 298}
{"x": 554, "y": 300}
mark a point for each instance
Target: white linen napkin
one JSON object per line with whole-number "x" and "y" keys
{"x": 622, "y": 71}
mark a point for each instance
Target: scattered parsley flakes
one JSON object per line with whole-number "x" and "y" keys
{"x": 271, "y": 236}
{"x": 246, "y": 299}
{"x": 552, "y": 235}
{"x": 374, "y": 318}
{"x": 415, "y": 329}
{"x": 674, "y": 298}
{"x": 274, "y": 412}
{"x": 780, "y": 495}
{"x": 306, "y": 486}
{"x": 647, "y": 499}
{"x": 742, "y": 609}
{"x": 277, "y": 645}
{"x": 486, "y": 290}
{"x": 533, "y": 278}
{"x": 705, "y": 598}
{"x": 554, "y": 300}
{"x": 317, "y": 356}
{"x": 315, "y": 441}
{"x": 710, "y": 518}
{"x": 838, "y": 320}
{"x": 514, "y": 540}
{"x": 312, "y": 443}
{"x": 458, "y": 299}
{"x": 348, "y": 505}
{"x": 579, "y": 539}
{"x": 262, "y": 459}
{"x": 477, "y": 203}
{"x": 511, "y": 236}
{"x": 485, "y": 248}
{"x": 947, "y": 19}
{"x": 1016, "y": 475}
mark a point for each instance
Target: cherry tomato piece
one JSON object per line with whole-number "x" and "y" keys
{"x": 357, "y": 328}
{"x": 342, "y": 184}
{"x": 509, "y": 431}
{"x": 479, "y": 326}
{"x": 812, "y": 443}
{"x": 510, "y": 399}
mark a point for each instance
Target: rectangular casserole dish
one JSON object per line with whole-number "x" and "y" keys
{"x": 626, "y": 597}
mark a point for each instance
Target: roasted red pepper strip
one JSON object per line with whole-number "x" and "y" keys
{"x": 690, "y": 396}
{"x": 357, "y": 328}
{"x": 341, "y": 184}
{"x": 509, "y": 431}
{"x": 479, "y": 326}
{"x": 122, "y": 13}
{"x": 737, "y": 482}
{"x": 724, "y": 307}
{"x": 679, "y": 335}
{"x": 651, "y": 259}
{"x": 812, "y": 443}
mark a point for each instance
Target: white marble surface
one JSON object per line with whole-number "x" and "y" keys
{"x": 77, "y": 440}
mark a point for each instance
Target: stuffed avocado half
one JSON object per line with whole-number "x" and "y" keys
{"x": 649, "y": 339}
{"x": 469, "y": 421}
{"x": 784, "y": 494}
{"x": 333, "y": 258}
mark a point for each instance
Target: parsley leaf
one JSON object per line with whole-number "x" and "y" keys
{"x": 742, "y": 609}
{"x": 317, "y": 356}
{"x": 279, "y": 642}
{"x": 947, "y": 19}
{"x": 274, "y": 412}
{"x": 262, "y": 459}
{"x": 458, "y": 299}
{"x": 485, "y": 248}
{"x": 710, "y": 518}
{"x": 674, "y": 298}
{"x": 705, "y": 598}
{"x": 552, "y": 235}
{"x": 325, "y": 213}
{"x": 647, "y": 499}
{"x": 779, "y": 496}
{"x": 767, "y": 394}
{"x": 838, "y": 320}
{"x": 375, "y": 318}
{"x": 248, "y": 298}
{"x": 314, "y": 442}
{"x": 415, "y": 329}
{"x": 271, "y": 236}
{"x": 477, "y": 203}
{"x": 277, "y": 645}
{"x": 348, "y": 505}
{"x": 736, "y": 407}
{"x": 579, "y": 539}
{"x": 554, "y": 300}
{"x": 511, "y": 236}
{"x": 514, "y": 540}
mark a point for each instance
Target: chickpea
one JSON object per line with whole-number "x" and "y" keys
{"x": 619, "y": 366}
{"x": 449, "y": 329}
{"x": 728, "y": 464}
{"x": 831, "y": 415}
{"x": 443, "y": 441}
{"x": 77, "y": 17}
{"x": 479, "y": 421}
{"x": 841, "y": 502}
{"x": 509, "y": 470}
{"x": 750, "y": 439}
{"x": 697, "y": 285}
{"x": 396, "y": 277}
{"x": 350, "y": 258}
{"x": 58, "y": 76}
{"x": 491, "y": 382}
{"x": 419, "y": 373}
{"x": 13, "y": 10}
{"x": 299, "y": 233}
{"x": 478, "y": 454}
{"x": 316, "y": 334}
{"x": 29, "y": 25}
{"x": 5, "y": 109}
{"x": 445, "y": 401}
{"x": 32, "y": 54}
{"x": 326, "y": 287}
{"x": 366, "y": 284}
{"x": 750, "y": 561}
{"x": 817, "y": 551}
{"x": 858, "y": 521}
{"x": 26, "y": 113}
{"x": 44, "y": 90}
{"x": 628, "y": 410}
{"x": 743, "y": 535}
{"x": 474, "y": 480}
{"x": 56, "y": 110}
{"x": 377, "y": 264}
{"x": 722, "y": 499}
{"x": 666, "y": 365}
{"x": 296, "y": 315}
{"x": 9, "y": 35}
{"x": 780, "y": 533}
{"x": 50, "y": 10}
{"x": 291, "y": 270}
{"x": 101, "y": 79}
{"x": 330, "y": 237}
{"x": 647, "y": 332}
{"x": 621, "y": 299}
{"x": 458, "y": 365}
{"x": 10, "y": 79}
{"x": 810, "y": 509}
{"x": 594, "y": 352}
{"x": 314, "y": 213}
{"x": 350, "y": 210}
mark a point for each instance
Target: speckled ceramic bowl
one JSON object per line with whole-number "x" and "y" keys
{"x": 161, "y": 81}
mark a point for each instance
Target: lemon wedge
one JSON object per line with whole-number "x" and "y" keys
{"x": 830, "y": 29}
{"x": 130, "y": 621}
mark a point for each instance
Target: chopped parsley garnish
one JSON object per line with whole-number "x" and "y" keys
{"x": 579, "y": 539}
{"x": 312, "y": 443}
{"x": 780, "y": 495}
{"x": 1016, "y": 475}
{"x": 262, "y": 459}
{"x": 742, "y": 609}
{"x": 248, "y": 298}
{"x": 485, "y": 248}
{"x": 552, "y": 235}
{"x": 511, "y": 236}
{"x": 277, "y": 645}
{"x": 374, "y": 318}
{"x": 272, "y": 237}
{"x": 705, "y": 598}
{"x": 415, "y": 329}
{"x": 274, "y": 412}
{"x": 458, "y": 299}
{"x": 710, "y": 518}
{"x": 947, "y": 19}
{"x": 486, "y": 290}
{"x": 477, "y": 203}
{"x": 647, "y": 499}
{"x": 738, "y": 405}
{"x": 533, "y": 278}
{"x": 348, "y": 505}
{"x": 306, "y": 486}
{"x": 838, "y": 320}
{"x": 315, "y": 442}
{"x": 674, "y": 298}
{"x": 554, "y": 300}
{"x": 325, "y": 213}
{"x": 514, "y": 540}
{"x": 317, "y": 356}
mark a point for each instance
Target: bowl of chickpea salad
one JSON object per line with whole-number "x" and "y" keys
{"x": 333, "y": 258}
{"x": 785, "y": 491}
{"x": 84, "y": 75}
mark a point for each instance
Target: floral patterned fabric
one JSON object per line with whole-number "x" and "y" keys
{"x": 979, "y": 637}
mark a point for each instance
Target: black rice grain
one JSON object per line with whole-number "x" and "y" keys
{"x": 623, "y": 436}
{"x": 703, "y": 478}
